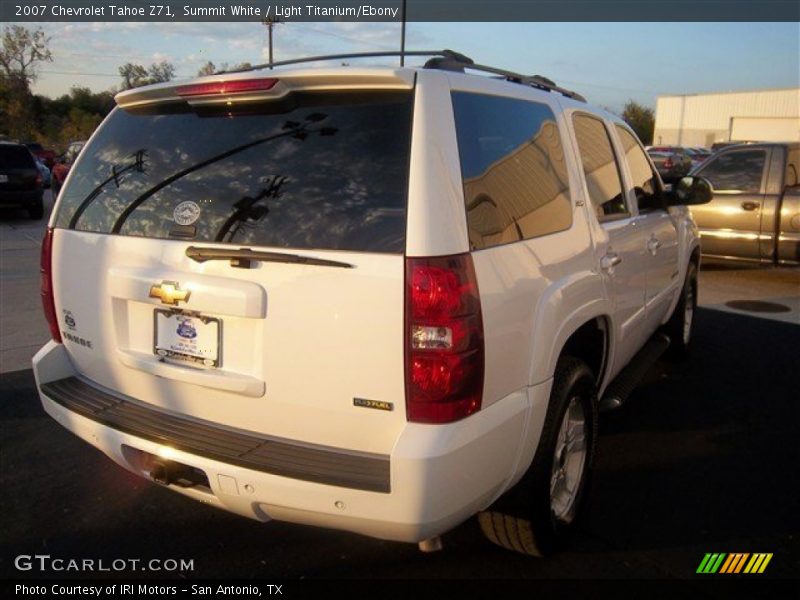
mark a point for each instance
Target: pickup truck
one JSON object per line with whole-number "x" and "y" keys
{"x": 755, "y": 213}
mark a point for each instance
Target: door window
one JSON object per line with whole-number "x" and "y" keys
{"x": 603, "y": 180}
{"x": 738, "y": 171}
{"x": 643, "y": 179}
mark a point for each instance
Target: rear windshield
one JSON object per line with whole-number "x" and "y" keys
{"x": 15, "y": 157}
{"x": 326, "y": 171}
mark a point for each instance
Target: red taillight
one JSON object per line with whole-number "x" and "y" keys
{"x": 46, "y": 274}
{"x": 219, "y": 88}
{"x": 444, "y": 339}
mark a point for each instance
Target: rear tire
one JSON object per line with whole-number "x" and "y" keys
{"x": 536, "y": 514}
{"x": 36, "y": 210}
{"x": 680, "y": 324}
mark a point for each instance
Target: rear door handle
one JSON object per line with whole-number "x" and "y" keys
{"x": 749, "y": 205}
{"x": 609, "y": 261}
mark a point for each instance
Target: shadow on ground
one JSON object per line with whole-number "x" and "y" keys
{"x": 704, "y": 458}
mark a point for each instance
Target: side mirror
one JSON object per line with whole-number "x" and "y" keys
{"x": 690, "y": 191}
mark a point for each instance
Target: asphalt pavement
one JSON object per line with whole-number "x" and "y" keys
{"x": 703, "y": 458}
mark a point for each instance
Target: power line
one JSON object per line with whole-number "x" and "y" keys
{"x": 349, "y": 39}
{"x": 49, "y": 72}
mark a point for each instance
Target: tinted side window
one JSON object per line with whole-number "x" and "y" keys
{"x": 15, "y": 157}
{"x": 316, "y": 170}
{"x": 600, "y": 168}
{"x": 736, "y": 171}
{"x": 512, "y": 164}
{"x": 645, "y": 185}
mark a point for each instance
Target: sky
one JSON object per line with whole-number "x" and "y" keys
{"x": 609, "y": 63}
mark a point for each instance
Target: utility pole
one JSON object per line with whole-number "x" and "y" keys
{"x": 269, "y": 22}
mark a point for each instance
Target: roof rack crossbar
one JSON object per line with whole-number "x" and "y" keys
{"x": 441, "y": 59}
{"x": 308, "y": 59}
{"x": 537, "y": 81}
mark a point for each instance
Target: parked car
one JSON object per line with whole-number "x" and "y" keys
{"x": 47, "y": 156}
{"x": 63, "y": 164}
{"x": 380, "y": 300}
{"x": 682, "y": 150}
{"x": 755, "y": 214}
{"x": 44, "y": 172}
{"x": 672, "y": 164}
{"x": 698, "y": 155}
{"x": 20, "y": 179}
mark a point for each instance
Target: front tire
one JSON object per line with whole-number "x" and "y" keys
{"x": 534, "y": 516}
{"x": 680, "y": 326}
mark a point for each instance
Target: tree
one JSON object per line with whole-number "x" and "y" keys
{"x": 641, "y": 119}
{"x": 160, "y": 72}
{"x": 207, "y": 69}
{"x": 78, "y": 125}
{"x": 132, "y": 76}
{"x": 16, "y": 110}
{"x": 22, "y": 52}
{"x": 226, "y": 68}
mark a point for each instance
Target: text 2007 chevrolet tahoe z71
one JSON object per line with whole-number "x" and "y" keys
{"x": 374, "y": 299}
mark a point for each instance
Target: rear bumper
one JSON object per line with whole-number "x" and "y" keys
{"x": 436, "y": 476}
{"x": 20, "y": 198}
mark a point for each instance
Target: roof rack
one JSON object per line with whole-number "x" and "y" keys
{"x": 308, "y": 59}
{"x": 447, "y": 60}
{"x": 454, "y": 61}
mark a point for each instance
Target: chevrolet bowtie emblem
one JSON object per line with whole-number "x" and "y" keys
{"x": 168, "y": 293}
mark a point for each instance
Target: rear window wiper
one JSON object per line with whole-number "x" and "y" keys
{"x": 242, "y": 257}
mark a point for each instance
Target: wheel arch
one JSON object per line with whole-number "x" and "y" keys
{"x": 586, "y": 334}
{"x": 694, "y": 258}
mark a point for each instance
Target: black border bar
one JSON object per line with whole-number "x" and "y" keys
{"x": 392, "y": 10}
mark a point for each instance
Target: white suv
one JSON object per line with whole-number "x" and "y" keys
{"x": 374, "y": 299}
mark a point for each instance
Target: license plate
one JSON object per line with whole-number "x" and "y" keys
{"x": 189, "y": 338}
{"x": 3, "y": 178}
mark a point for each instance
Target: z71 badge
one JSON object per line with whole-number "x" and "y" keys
{"x": 376, "y": 404}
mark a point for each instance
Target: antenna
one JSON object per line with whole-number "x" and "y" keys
{"x": 402, "y": 38}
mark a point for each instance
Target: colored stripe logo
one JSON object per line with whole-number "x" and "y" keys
{"x": 737, "y": 562}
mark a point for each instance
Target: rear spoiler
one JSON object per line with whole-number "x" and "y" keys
{"x": 248, "y": 87}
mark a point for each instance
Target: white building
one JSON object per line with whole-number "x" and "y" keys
{"x": 702, "y": 119}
